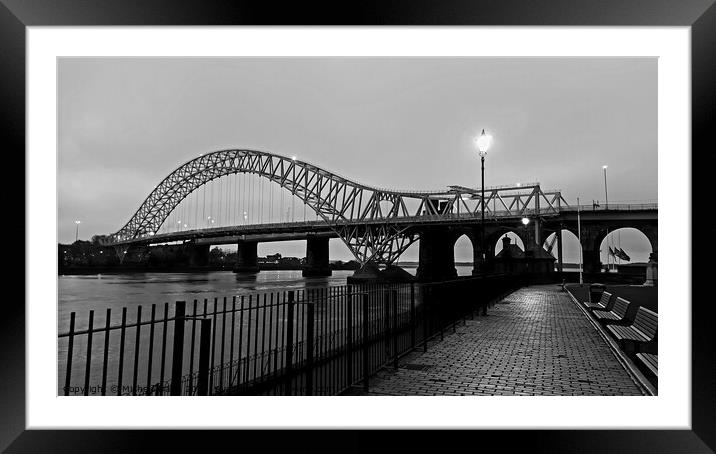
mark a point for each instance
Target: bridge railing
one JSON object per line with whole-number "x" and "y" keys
{"x": 311, "y": 341}
{"x": 612, "y": 207}
{"x": 242, "y": 229}
{"x": 490, "y": 214}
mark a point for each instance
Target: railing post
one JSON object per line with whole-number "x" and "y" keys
{"x": 386, "y": 323}
{"x": 202, "y": 383}
{"x": 122, "y": 333}
{"x": 70, "y": 347}
{"x": 366, "y": 343}
{"x": 289, "y": 342}
{"x": 441, "y": 314}
{"x": 105, "y": 356}
{"x": 309, "y": 348}
{"x": 426, "y": 298}
{"x": 394, "y": 294}
{"x": 349, "y": 335}
{"x": 412, "y": 315}
{"x": 178, "y": 348}
{"x": 88, "y": 369}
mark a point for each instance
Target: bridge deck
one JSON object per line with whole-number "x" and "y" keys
{"x": 535, "y": 342}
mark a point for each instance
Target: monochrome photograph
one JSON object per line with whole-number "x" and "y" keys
{"x": 357, "y": 226}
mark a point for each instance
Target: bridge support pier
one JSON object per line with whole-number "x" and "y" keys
{"x": 592, "y": 261}
{"x": 198, "y": 256}
{"x": 480, "y": 265}
{"x": 316, "y": 258}
{"x": 436, "y": 258}
{"x": 246, "y": 257}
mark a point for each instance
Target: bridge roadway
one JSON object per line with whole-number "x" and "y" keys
{"x": 437, "y": 235}
{"x": 290, "y": 231}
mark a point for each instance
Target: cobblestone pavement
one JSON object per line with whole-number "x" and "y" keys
{"x": 534, "y": 342}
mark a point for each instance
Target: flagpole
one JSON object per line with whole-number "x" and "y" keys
{"x": 579, "y": 233}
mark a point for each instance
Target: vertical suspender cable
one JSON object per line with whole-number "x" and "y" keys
{"x": 260, "y": 185}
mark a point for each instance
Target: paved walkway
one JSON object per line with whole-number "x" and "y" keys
{"x": 534, "y": 342}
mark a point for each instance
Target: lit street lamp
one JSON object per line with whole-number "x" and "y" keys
{"x": 483, "y": 144}
{"x": 525, "y": 221}
{"x": 606, "y": 197}
{"x": 77, "y": 230}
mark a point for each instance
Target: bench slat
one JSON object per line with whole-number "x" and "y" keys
{"x": 651, "y": 361}
{"x": 628, "y": 333}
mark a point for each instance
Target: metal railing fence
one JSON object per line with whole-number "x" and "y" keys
{"x": 313, "y": 341}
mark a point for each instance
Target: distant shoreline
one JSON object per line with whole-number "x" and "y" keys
{"x": 83, "y": 271}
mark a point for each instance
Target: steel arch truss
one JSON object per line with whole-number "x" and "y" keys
{"x": 363, "y": 216}
{"x": 381, "y": 243}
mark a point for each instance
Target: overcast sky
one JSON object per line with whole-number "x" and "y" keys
{"x": 125, "y": 124}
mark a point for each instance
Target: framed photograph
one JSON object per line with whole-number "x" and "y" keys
{"x": 412, "y": 217}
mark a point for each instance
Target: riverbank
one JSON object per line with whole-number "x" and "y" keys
{"x": 94, "y": 270}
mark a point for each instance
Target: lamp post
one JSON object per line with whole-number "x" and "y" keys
{"x": 483, "y": 144}
{"x": 606, "y": 197}
{"x": 77, "y": 230}
{"x": 579, "y": 237}
{"x": 525, "y": 223}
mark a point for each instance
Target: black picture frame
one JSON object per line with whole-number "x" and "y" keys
{"x": 700, "y": 15}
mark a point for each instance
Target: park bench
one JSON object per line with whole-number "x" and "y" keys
{"x": 617, "y": 315}
{"x": 641, "y": 331}
{"x": 651, "y": 361}
{"x": 605, "y": 303}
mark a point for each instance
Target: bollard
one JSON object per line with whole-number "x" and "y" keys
{"x": 202, "y": 385}
{"x": 178, "y": 348}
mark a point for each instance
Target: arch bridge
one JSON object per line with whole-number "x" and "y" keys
{"x": 376, "y": 224}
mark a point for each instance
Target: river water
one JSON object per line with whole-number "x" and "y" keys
{"x": 84, "y": 293}
{"x": 100, "y": 292}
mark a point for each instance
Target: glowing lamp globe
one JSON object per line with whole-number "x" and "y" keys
{"x": 483, "y": 143}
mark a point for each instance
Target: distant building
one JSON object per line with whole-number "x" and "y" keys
{"x": 272, "y": 259}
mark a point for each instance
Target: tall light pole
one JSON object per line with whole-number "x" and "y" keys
{"x": 77, "y": 230}
{"x": 579, "y": 237}
{"x": 606, "y": 197}
{"x": 483, "y": 144}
